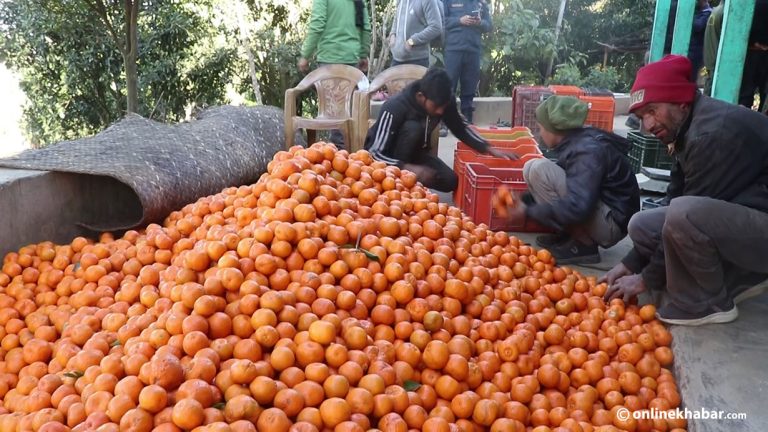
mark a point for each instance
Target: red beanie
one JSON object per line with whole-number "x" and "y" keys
{"x": 667, "y": 80}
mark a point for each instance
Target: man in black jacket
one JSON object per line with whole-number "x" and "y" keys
{"x": 709, "y": 247}
{"x": 589, "y": 195}
{"x": 401, "y": 133}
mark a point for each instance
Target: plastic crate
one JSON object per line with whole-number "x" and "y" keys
{"x": 648, "y": 151}
{"x": 504, "y": 133}
{"x": 503, "y": 143}
{"x": 525, "y": 99}
{"x": 480, "y": 183}
{"x": 566, "y": 90}
{"x": 461, "y": 157}
{"x": 518, "y": 130}
{"x": 601, "y": 111}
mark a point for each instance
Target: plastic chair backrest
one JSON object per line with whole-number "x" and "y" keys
{"x": 396, "y": 78}
{"x": 335, "y": 85}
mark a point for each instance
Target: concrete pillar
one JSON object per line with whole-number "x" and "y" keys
{"x": 737, "y": 21}
{"x": 660, "y": 23}
{"x": 683, "y": 27}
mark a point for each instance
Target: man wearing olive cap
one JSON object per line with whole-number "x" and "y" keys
{"x": 589, "y": 194}
{"x": 709, "y": 247}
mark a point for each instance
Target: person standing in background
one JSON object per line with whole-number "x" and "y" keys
{"x": 755, "y": 75}
{"x": 696, "y": 45}
{"x": 417, "y": 23}
{"x": 339, "y": 33}
{"x": 465, "y": 23}
{"x": 711, "y": 44}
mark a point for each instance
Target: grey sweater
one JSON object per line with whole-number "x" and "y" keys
{"x": 419, "y": 20}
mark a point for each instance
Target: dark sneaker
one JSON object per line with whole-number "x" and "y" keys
{"x": 443, "y": 131}
{"x": 672, "y": 314}
{"x": 750, "y": 288}
{"x": 575, "y": 252}
{"x": 550, "y": 240}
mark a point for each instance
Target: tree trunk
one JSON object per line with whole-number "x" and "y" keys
{"x": 245, "y": 43}
{"x": 130, "y": 55}
{"x": 559, "y": 24}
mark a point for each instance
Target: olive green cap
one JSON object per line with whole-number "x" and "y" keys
{"x": 561, "y": 113}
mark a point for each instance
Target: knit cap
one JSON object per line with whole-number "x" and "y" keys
{"x": 561, "y": 113}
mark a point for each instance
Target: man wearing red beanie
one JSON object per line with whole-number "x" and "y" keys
{"x": 709, "y": 247}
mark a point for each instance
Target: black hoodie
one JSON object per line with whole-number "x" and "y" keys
{"x": 382, "y": 139}
{"x": 596, "y": 169}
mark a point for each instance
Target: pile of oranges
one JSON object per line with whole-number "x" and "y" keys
{"x": 335, "y": 294}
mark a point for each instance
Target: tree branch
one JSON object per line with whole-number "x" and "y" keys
{"x": 101, "y": 10}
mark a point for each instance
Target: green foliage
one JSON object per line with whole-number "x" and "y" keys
{"x": 597, "y": 77}
{"x": 602, "y": 77}
{"x": 516, "y": 50}
{"x": 568, "y": 74}
{"x": 194, "y": 53}
{"x": 623, "y": 24}
{"x": 275, "y": 65}
{"x": 72, "y": 71}
{"x": 277, "y": 47}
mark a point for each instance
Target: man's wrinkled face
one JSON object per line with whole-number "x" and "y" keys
{"x": 663, "y": 120}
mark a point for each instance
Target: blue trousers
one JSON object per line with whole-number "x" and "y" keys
{"x": 464, "y": 68}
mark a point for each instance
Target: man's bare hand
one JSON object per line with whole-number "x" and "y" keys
{"x": 467, "y": 20}
{"x": 363, "y": 64}
{"x": 625, "y": 288}
{"x": 619, "y": 270}
{"x": 303, "y": 65}
{"x": 502, "y": 154}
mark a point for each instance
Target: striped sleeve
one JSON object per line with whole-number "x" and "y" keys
{"x": 384, "y": 133}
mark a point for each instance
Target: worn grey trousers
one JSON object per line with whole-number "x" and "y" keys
{"x": 547, "y": 183}
{"x": 701, "y": 243}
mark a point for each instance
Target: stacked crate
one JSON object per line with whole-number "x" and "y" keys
{"x": 525, "y": 99}
{"x": 481, "y": 175}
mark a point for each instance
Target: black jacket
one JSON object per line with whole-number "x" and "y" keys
{"x": 596, "y": 169}
{"x": 721, "y": 153}
{"x": 382, "y": 139}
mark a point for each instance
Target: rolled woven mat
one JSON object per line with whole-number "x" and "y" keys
{"x": 137, "y": 170}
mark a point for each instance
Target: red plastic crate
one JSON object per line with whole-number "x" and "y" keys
{"x": 505, "y": 144}
{"x": 601, "y": 111}
{"x": 480, "y": 183}
{"x": 566, "y": 90}
{"x": 462, "y": 157}
{"x": 525, "y": 99}
{"x": 501, "y": 130}
{"x": 505, "y": 134}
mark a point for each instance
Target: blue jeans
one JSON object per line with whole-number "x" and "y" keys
{"x": 464, "y": 67}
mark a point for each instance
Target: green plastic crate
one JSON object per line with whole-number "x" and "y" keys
{"x": 648, "y": 151}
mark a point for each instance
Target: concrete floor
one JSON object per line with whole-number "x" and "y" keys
{"x": 720, "y": 367}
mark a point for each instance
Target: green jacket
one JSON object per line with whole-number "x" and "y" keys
{"x": 712, "y": 38}
{"x": 333, "y": 35}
